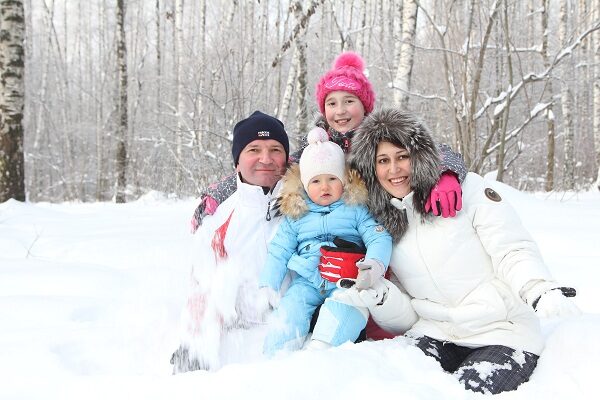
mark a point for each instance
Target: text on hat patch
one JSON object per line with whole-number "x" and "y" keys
{"x": 263, "y": 133}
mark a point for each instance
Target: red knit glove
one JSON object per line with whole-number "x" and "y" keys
{"x": 447, "y": 195}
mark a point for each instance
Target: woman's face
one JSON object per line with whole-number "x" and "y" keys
{"x": 392, "y": 167}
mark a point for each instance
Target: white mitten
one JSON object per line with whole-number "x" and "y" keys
{"x": 268, "y": 297}
{"x": 554, "y": 303}
{"x": 367, "y": 298}
{"x": 369, "y": 272}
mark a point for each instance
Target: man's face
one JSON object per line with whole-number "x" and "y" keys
{"x": 262, "y": 163}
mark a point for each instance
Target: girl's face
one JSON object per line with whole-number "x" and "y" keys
{"x": 392, "y": 168}
{"x": 325, "y": 189}
{"x": 343, "y": 111}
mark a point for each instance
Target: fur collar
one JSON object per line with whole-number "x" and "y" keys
{"x": 404, "y": 130}
{"x": 293, "y": 200}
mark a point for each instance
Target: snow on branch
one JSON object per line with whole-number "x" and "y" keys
{"x": 511, "y": 93}
{"x": 515, "y": 132}
{"x": 298, "y": 29}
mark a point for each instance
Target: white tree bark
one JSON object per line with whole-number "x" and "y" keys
{"x": 407, "y": 51}
{"x": 12, "y": 97}
{"x": 179, "y": 87}
{"x": 566, "y": 103}
{"x": 596, "y": 89}
{"x": 550, "y": 120}
{"x": 122, "y": 117}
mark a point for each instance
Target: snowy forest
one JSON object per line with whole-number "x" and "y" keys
{"x": 124, "y": 97}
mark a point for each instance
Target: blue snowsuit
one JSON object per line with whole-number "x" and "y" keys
{"x": 296, "y": 248}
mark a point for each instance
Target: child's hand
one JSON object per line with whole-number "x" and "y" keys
{"x": 447, "y": 194}
{"x": 369, "y": 272}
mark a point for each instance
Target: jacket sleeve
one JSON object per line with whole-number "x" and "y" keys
{"x": 219, "y": 192}
{"x": 396, "y": 315}
{"x": 281, "y": 249}
{"x": 452, "y": 161}
{"x": 515, "y": 256}
{"x": 377, "y": 240}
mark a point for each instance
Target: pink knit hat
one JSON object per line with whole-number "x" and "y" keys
{"x": 347, "y": 75}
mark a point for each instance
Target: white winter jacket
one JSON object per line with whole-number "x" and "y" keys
{"x": 466, "y": 277}
{"x": 227, "y": 285}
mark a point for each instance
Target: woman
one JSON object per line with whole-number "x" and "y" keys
{"x": 468, "y": 285}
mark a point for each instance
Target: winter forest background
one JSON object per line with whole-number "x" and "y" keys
{"x": 123, "y": 97}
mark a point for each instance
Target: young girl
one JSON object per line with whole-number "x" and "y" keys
{"x": 322, "y": 201}
{"x": 345, "y": 96}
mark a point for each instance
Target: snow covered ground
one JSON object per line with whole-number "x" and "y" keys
{"x": 90, "y": 296}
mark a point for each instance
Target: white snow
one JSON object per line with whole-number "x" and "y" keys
{"x": 90, "y": 296}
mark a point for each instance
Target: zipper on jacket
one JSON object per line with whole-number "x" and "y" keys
{"x": 268, "y": 216}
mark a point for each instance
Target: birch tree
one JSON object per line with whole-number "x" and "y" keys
{"x": 12, "y": 76}
{"x": 566, "y": 103}
{"x": 179, "y": 88}
{"x": 549, "y": 115}
{"x": 122, "y": 120}
{"x": 596, "y": 91}
{"x": 406, "y": 54}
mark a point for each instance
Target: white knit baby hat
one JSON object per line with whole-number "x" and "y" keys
{"x": 321, "y": 157}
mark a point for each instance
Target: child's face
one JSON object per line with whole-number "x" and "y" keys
{"x": 343, "y": 111}
{"x": 325, "y": 189}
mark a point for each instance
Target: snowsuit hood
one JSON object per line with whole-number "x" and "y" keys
{"x": 404, "y": 130}
{"x": 293, "y": 202}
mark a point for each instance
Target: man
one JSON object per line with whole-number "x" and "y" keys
{"x": 230, "y": 247}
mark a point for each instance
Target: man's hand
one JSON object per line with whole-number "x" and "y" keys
{"x": 268, "y": 298}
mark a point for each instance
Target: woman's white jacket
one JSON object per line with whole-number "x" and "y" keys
{"x": 466, "y": 277}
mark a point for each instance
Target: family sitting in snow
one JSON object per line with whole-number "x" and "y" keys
{"x": 466, "y": 289}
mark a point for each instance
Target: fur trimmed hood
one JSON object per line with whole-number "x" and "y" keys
{"x": 404, "y": 130}
{"x": 293, "y": 200}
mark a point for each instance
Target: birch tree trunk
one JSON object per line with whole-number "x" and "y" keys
{"x": 407, "y": 51}
{"x": 397, "y": 32}
{"x": 302, "y": 71}
{"x": 122, "y": 120}
{"x": 179, "y": 87}
{"x": 550, "y": 120}
{"x": 506, "y": 110}
{"x": 596, "y": 89}
{"x": 12, "y": 98}
{"x": 566, "y": 101}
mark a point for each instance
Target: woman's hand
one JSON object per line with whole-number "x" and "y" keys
{"x": 367, "y": 298}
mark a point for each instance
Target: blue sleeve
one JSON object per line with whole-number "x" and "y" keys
{"x": 452, "y": 161}
{"x": 376, "y": 238}
{"x": 281, "y": 248}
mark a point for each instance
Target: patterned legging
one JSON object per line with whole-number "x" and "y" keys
{"x": 490, "y": 369}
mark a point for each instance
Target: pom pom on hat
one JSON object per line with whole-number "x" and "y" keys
{"x": 349, "y": 59}
{"x": 346, "y": 75}
{"x": 321, "y": 157}
{"x": 317, "y": 135}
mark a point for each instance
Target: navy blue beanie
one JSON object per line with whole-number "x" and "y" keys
{"x": 258, "y": 126}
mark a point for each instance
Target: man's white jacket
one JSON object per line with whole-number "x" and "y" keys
{"x": 227, "y": 258}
